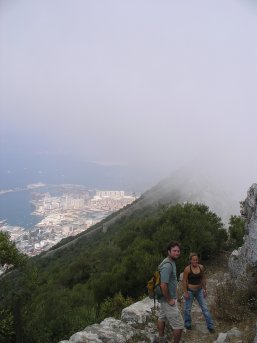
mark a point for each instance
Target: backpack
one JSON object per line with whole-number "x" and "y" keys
{"x": 154, "y": 284}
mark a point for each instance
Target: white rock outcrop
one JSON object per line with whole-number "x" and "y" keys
{"x": 135, "y": 323}
{"x": 137, "y": 313}
{"x": 255, "y": 339}
{"x": 243, "y": 262}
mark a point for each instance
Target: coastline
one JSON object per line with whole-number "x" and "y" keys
{"x": 16, "y": 209}
{"x": 21, "y": 189}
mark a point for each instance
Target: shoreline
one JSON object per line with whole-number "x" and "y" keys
{"x": 21, "y": 189}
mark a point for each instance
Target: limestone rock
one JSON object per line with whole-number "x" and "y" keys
{"x": 243, "y": 262}
{"x": 222, "y": 338}
{"x": 255, "y": 339}
{"x": 134, "y": 324}
{"x": 137, "y": 313}
{"x": 234, "y": 332}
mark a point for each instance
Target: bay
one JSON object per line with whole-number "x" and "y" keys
{"x": 16, "y": 209}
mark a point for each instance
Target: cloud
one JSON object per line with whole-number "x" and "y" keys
{"x": 152, "y": 86}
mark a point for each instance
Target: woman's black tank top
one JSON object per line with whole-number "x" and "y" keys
{"x": 195, "y": 279}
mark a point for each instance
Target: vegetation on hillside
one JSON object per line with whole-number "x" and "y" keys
{"x": 54, "y": 296}
{"x": 236, "y": 231}
{"x": 10, "y": 257}
{"x": 9, "y": 254}
{"x": 233, "y": 303}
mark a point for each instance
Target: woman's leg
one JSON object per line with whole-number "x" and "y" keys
{"x": 202, "y": 303}
{"x": 187, "y": 310}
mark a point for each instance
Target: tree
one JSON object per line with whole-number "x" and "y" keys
{"x": 64, "y": 291}
{"x": 236, "y": 231}
{"x": 9, "y": 254}
{"x": 6, "y": 326}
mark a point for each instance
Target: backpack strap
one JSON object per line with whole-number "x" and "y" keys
{"x": 163, "y": 263}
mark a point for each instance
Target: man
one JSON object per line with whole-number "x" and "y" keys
{"x": 168, "y": 300}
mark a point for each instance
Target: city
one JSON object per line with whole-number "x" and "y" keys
{"x": 67, "y": 211}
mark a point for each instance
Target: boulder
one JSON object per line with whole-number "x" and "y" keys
{"x": 255, "y": 339}
{"x": 222, "y": 338}
{"x": 243, "y": 261}
{"x": 137, "y": 313}
{"x": 135, "y": 323}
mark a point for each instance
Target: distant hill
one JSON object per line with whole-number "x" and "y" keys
{"x": 181, "y": 186}
{"x": 193, "y": 186}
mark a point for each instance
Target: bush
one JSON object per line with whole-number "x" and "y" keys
{"x": 113, "y": 306}
{"x": 99, "y": 272}
{"x": 6, "y": 326}
{"x": 234, "y": 304}
{"x": 249, "y": 297}
{"x": 236, "y": 231}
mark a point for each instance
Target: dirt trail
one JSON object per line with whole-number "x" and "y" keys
{"x": 200, "y": 333}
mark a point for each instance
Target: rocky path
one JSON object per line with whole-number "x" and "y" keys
{"x": 224, "y": 332}
{"x": 138, "y": 325}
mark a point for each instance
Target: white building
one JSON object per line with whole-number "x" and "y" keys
{"x": 110, "y": 194}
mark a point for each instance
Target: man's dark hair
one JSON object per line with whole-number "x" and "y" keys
{"x": 173, "y": 244}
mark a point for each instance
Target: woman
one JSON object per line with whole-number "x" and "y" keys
{"x": 194, "y": 286}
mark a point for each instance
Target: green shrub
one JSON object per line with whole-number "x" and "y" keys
{"x": 6, "y": 326}
{"x": 99, "y": 273}
{"x": 249, "y": 297}
{"x": 236, "y": 231}
{"x": 234, "y": 304}
{"x": 112, "y": 307}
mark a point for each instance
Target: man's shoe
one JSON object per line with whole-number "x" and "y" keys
{"x": 211, "y": 330}
{"x": 189, "y": 327}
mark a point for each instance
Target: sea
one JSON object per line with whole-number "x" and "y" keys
{"x": 16, "y": 209}
{"x": 19, "y": 171}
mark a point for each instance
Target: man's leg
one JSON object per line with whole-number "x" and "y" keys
{"x": 161, "y": 327}
{"x": 175, "y": 319}
{"x": 161, "y": 324}
{"x": 177, "y": 335}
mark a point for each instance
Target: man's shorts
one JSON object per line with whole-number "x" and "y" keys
{"x": 172, "y": 314}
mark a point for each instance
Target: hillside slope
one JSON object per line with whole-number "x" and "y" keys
{"x": 74, "y": 284}
{"x": 180, "y": 187}
{"x": 137, "y": 322}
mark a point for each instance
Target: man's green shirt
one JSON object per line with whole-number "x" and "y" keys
{"x": 169, "y": 275}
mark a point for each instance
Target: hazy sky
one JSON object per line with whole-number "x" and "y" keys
{"x": 152, "y": 85}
